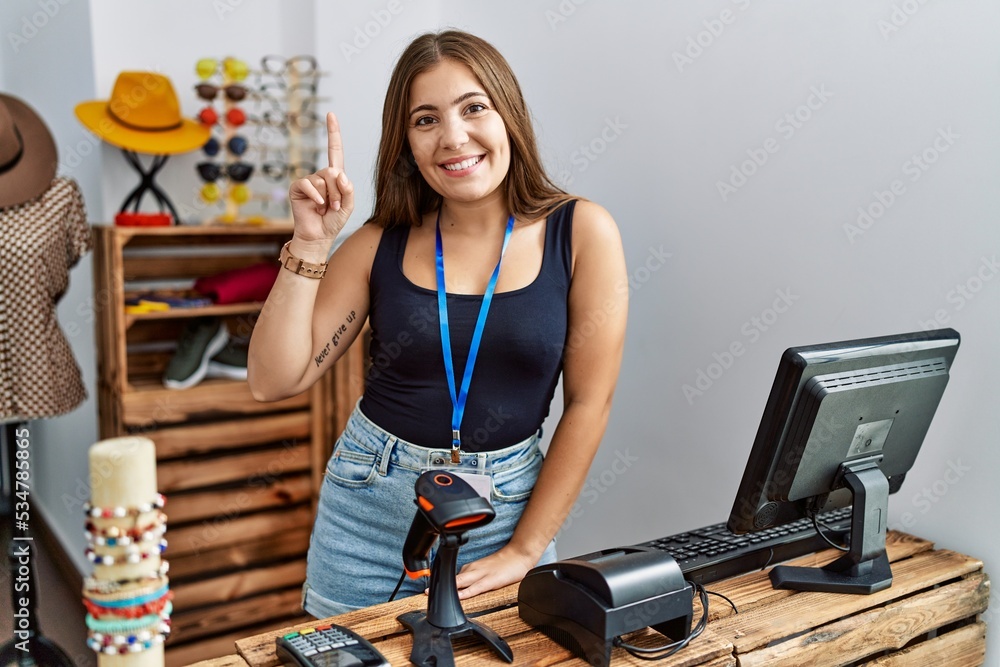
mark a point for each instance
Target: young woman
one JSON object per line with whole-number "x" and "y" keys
{"x": 466, "y": 227}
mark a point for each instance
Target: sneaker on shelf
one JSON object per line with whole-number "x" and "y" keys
{"x": 202, "y": 339}
{"x": 230, "y": 362}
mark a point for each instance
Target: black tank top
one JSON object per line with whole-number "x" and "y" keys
{"x": 520, "y": 356}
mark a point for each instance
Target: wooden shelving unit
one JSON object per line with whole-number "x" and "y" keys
{"x": 241, "y": 477}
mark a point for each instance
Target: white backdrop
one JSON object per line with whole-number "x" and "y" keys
{"x": 782, "y": 173}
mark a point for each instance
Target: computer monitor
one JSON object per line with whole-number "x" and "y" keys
{"x": 842, "y": 426}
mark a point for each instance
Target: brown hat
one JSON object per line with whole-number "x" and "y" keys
{"x": 28, "y": 157}
{"x": 143, "y": 115}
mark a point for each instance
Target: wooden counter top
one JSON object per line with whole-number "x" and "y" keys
{"x": 928, "y": 616}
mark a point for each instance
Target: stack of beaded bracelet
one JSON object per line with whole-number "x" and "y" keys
{"x": 127, "y": 615}
{"x": 149, "y": 597}
{"x": 118, "y": 535}
{"x": 129, "y": 635}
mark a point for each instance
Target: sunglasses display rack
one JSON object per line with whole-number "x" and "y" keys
{"x": 267, "y": 130}
{"x": 224, "y": 173}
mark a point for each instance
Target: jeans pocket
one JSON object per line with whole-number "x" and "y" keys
{"x": 515, "y": 485}
{"x": 351, "y": 465}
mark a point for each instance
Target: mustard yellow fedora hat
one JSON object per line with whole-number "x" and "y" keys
{"x": 143, "y": 115}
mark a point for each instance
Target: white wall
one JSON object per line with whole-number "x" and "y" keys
{"x": 622, "y": 121}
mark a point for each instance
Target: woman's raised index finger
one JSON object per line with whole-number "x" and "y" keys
{"x": 335, "y": 144}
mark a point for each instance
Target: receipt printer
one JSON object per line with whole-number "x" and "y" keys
{"x": 585, "y": 602}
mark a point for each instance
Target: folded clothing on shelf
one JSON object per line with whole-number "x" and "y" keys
{"x": 156, "y": 301}
{"x": 251, "y": 283}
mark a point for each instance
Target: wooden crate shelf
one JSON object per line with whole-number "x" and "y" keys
{"x": 283, "y": 491}
{"x": 241, "y": 476}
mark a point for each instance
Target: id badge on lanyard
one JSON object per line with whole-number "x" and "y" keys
{"x": 459, "y": 397}
{"x": 472, "y": 468}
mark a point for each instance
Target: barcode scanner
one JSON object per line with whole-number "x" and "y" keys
{"x": 447, "y": 508}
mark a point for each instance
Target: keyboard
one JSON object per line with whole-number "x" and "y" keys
{"x": 713, "y": 552}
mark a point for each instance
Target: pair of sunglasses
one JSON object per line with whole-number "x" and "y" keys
{"x": 277, "y": 99}
{"x": 232, "y": 68}
{"x": 209, "y": 116}
{"x": 301, "y": 65}
{"x": 234, "y": 92}
{"x": 304, "y": 120}
{"x": 236, "y": 145}
{"x": 238, "y": 172}
{"x": 239, "y": 193}
{"x": 277, "y": 171}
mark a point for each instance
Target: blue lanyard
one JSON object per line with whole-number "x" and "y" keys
{"x": 458, "y": 400}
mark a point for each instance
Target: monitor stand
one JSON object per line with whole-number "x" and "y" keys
{"x": 864, "y": 569}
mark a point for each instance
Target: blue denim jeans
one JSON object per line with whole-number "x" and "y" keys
{"x": 367, "y": 504}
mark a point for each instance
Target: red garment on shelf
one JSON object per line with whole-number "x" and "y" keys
{"x": 252, "y": 283}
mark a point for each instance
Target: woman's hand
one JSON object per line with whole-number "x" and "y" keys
{"x": 497, "y": 570}
{"x": 322, "y": 202}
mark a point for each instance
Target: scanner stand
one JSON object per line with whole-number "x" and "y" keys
{"x": 444, "y": 621}
{"x": 584, "y": 603}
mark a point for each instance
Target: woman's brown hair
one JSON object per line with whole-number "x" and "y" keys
{"x": 402, "y": 195}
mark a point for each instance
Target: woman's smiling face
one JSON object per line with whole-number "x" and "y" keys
{"x": 458, "y": 139}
